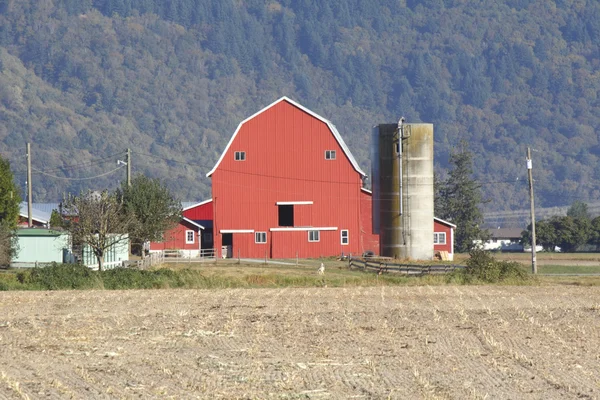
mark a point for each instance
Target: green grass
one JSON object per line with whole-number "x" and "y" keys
{"x": 569, "y": 269}
{"x": 230, "y": 274}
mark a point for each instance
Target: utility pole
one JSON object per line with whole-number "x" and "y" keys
{"x": 29, "y": 216}
{"x": 533, "y": 257}
{"x": 128, "y": 167}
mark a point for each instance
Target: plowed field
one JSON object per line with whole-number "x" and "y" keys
{"x": 323, "y": 343}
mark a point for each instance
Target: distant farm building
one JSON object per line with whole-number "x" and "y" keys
{"x": 192, "y": 234}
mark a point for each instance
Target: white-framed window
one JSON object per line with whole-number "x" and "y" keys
{"x": 313, "y": 236}
{"x": 345, "y": 236}
{"x": 240, "y": 156}
{"x": 260, "y": 237}
{"x": 189, "y": 237}
{"x": 208, "y": 237}
{"x": 330, "y": 154}
{"x": 439, "y": 238}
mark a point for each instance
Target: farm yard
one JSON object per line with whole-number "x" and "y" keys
{"x": 398, "y": 342}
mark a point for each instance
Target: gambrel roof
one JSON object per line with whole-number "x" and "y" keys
{"x": 330, "y": 125}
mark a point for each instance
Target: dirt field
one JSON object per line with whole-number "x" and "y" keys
{"x": 381, "y": 342}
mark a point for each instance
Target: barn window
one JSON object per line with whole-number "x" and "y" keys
{"x": 345, "y": 236}
{"x": 439, "y": 238}
{"x": 313, "y": 236}
{"x": 208, "y": 237}
{"x": 240, "y": 156}
{"x": 189, "y": 237}
{"x": 260, "y": 237}
{"x": 286, "y": 215}
{"x": 330, "y": 154}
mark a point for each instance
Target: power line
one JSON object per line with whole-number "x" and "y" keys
{"x": 77, "y": 179}
{"x": 85, "y": 164}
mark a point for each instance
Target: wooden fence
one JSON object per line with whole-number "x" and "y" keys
{"x": 389, "y": 265}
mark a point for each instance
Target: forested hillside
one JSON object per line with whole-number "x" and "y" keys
{"x": 83, "y": 80}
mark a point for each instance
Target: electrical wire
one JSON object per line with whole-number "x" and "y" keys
{"x": 77, "y": 179}
{"x": 85, "y": 164}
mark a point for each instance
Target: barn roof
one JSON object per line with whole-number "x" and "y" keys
{"x": 36, "y": 215}
{"x": 441, "y": 221}
{"x": 330, "y": 125}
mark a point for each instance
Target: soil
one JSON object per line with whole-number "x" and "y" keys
{"x": 380, "y": 342}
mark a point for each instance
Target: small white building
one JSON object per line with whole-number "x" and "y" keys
{"x": 503, "y": 239}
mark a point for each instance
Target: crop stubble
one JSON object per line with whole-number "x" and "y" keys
{"x": 379, "y": 342}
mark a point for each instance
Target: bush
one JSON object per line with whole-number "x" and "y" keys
{"x": 127, "y": 278}
{"x": 60, "y": 277}
{"x": 482, "y": 267}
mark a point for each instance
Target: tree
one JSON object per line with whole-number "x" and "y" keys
{"x": 571, "y": 232}
{"x": 579, "y": 210}
{"x": 9, "y": 213}
{"x": 545, "y": 235}
{"x": 56, "y": 220}
{"x": 97, "y": 220}
{"x": 461, "y": 197}
{"x": 9, "y": 195}
{"x": 153, "y": 206}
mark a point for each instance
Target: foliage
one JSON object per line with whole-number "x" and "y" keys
{"x": 60, "y": 277}
{"x": 8, "y": 243}
{"x": 579, "y": 210}
{"x": 84, "y": 80}
{"x": 100, "y": 221}
{"x": 56, "y": 220}
{"x": 483, "y": 267}
{"x": 565, "y": 232}
{"x": 154, "y": 207}
{"x": 9, "y": 195}
{"x": 460, "y": 197}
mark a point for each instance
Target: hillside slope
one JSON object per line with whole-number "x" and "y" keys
{"x": 84, "y": 80}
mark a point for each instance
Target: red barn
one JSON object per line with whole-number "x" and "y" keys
{"x": 443, "y": 237}
{"x": 192, "y": 234}
{"x": 287, "y": 185}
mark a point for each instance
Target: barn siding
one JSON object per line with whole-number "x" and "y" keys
{"x": 439, "y": 227}
{"x": 175, "y": 238}
{"x": 285, "y": 161}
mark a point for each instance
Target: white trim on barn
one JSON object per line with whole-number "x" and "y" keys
{"x": 236, "y": 231}
{"x": 196, "y": 205}
{"x": 331, "y": 127}
{"x": 291, "y": 203}
{"x": 304, "y": 228}
{"x": 193, "y": 223}
{"x": 441, "y": 221}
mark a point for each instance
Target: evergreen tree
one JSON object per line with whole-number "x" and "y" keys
{"x": 9, "y": 195}
{"x": 461, "y": 196}
{"x": 579, "y": 210}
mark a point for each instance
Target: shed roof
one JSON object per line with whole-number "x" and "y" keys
{"x": 330, "y": 125}
{"x": 38, "y": 232}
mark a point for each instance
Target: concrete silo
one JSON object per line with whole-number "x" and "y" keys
{"x": 402, "y": 169}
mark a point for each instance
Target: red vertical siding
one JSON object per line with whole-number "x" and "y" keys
{"x": 439, "y": 227}
{"x": 203, "y": 211}
{"x": 369, "y": 240}
{"x": 285, "y": 161}
{"x": 175, "y": 238}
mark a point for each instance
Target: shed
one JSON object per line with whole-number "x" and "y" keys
{"x": 38, "y": 245}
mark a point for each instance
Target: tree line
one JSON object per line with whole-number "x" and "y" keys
{"x": 566, "y": 233}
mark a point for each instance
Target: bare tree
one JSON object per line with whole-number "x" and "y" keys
{"x": 97, "y": 220}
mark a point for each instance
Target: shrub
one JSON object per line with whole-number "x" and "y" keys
{"x": 60, "y": 277}
{"x": 483, "y": 267}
